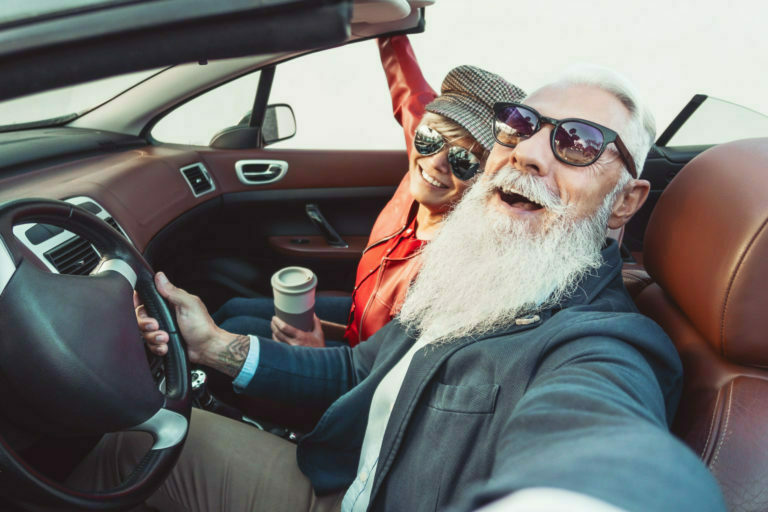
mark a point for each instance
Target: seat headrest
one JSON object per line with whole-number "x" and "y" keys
{"x": 706, "y": 245}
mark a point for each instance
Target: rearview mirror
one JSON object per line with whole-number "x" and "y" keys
{"x": 279, "y": 123}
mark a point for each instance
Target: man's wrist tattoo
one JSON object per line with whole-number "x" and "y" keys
{"x": 232, "y": 358}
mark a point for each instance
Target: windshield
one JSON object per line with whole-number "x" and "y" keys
{"x": 66, "y": 102}
{"x": 705, "y": 126}
{"x": 24, "y": 10}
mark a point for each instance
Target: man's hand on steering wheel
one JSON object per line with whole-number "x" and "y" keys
{"x": 206, "y": 343}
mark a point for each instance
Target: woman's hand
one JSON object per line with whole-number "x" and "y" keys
{"x": 281, "y": 331}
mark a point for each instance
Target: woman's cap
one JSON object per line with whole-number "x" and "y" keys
{"x": 467, "y": 97}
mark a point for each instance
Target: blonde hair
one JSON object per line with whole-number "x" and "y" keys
{"x": 451, "y": 130}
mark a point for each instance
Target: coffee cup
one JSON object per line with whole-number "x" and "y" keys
{"x": 294, "y": 295}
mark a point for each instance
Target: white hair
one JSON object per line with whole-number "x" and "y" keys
{"x": 639, "y": 133}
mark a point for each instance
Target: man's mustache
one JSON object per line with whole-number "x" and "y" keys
{"x": 511, "y": 180}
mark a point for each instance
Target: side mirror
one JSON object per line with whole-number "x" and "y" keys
{"x": 279, "y": 123}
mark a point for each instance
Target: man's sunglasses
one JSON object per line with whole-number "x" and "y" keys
{"x": 464, "y": 164}
{"x": 574, "y": 141}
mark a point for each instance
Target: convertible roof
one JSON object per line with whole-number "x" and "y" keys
{"x": 62, "y": 47}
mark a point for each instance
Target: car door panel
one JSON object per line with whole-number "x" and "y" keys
{"x": 312, "y": 168}
{"x": 226, "y": 231}
{"x": 259, "y": 228}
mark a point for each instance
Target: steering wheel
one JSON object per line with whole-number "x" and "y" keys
{"x": 72, "y": 362}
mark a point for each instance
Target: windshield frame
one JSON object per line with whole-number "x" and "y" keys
{"x": 67, "y": 117}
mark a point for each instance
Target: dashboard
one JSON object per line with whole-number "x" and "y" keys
{"x": 62, "y": 251}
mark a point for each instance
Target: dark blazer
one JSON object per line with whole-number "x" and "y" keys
{"x": 579, "y": 399}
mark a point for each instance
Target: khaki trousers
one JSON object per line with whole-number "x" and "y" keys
{"x": 225, "y": 466}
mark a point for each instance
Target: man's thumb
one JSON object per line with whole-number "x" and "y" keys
{"x": 168, "y": 291}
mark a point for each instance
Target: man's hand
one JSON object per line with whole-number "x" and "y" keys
{"x": 281, "y": 331}
{"x": 206, "y": 342}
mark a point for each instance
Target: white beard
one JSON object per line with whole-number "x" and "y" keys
{"x": 484, "y": 268}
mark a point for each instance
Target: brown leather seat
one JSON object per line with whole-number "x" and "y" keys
{"x": 706, "y": 248}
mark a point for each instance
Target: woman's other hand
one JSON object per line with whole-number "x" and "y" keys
{"x": 281, "y": 331}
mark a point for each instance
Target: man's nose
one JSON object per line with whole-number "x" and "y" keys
{"x": 533, "y": 154}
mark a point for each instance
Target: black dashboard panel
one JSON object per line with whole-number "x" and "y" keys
{"x": 29, "y": 149}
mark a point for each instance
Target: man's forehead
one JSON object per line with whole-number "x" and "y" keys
{"x": 582, "y": 101}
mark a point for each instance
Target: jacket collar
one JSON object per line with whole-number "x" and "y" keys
{"x": 594, "y": 283}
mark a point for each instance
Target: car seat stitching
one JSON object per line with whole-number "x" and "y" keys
{"x": 712, "y": 422}
{"x": 732, "y": 280}
{"x": 725, "y": 429}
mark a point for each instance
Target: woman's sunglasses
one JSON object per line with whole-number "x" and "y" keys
{"x": 464, "y": 164}
{"x": 574, "y": 141}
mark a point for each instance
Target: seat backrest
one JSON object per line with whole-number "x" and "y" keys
{"x": 706, "y": 249}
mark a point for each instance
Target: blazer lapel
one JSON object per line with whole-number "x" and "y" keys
{"x": 421, "y": 370}
{"x": 423, "y": 367}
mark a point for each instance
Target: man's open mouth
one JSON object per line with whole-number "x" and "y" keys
{"x": 518, "y": 200}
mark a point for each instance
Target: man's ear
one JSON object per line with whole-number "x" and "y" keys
{"x": 628, "y": 202}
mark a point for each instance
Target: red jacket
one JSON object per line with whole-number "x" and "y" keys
{"x": 374, "y": 306}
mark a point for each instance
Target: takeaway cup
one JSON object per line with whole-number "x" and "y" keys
{"x": 294, "y": 292}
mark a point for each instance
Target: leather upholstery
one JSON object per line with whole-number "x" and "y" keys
{"x": 635, "y": 278}
{"x": 706, "y": 248}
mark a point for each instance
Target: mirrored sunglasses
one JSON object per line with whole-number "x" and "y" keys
{"x": 574, "y": 141}
{"x": 464, "y": 164}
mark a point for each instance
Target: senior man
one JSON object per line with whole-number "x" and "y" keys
{"x": 518, "y": 368}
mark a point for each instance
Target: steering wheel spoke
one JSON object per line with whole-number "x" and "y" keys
{"x": 167, "y": 427}
{"x": 7, "y": 266}
{"x": 119, "y": 266}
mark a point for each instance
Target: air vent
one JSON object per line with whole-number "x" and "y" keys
{"x": 198, "y": 178}
{"x": 75, "y": 256}
{"x": 112, "y": 222}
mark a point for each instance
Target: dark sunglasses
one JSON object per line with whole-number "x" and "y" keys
{"x": 464, "y": 164}
{"x": 574, "y": 141}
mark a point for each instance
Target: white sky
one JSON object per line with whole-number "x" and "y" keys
{"x": 670, "y": 49}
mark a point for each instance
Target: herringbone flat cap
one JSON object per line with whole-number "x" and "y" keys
{"x": 467, "y": 97}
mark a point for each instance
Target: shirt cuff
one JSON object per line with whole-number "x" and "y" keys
{"x": 249, "y": 367}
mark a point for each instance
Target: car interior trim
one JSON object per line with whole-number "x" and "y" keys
{"x": 316, "y": 246}
{"x": 62, "y": 237}
{"x": 162, "y": 92}
{"x": 307, "y": 193}
{"x": 260, "y": 172}
{"x": 167, "y": 427}
{"x": 7, "y": 268}
{"x": 680, "y": 119}
{"x": 205, "y": 175}
{"x": 119, "y": 266}
{"x": 41, "y": 147}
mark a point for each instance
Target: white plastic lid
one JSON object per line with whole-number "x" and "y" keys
{"x": 294, "y": 280}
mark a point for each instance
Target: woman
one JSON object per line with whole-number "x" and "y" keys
{"x": 447, "y": 137}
